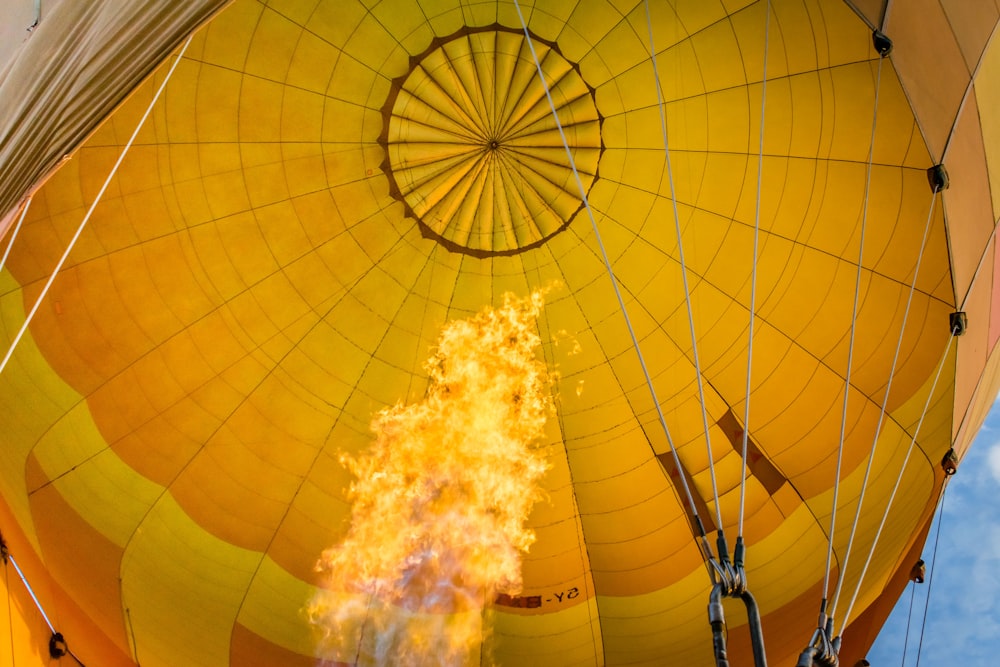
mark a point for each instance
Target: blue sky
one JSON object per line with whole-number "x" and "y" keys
{"x": 963, "y": 619}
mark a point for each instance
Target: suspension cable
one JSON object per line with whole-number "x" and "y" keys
{"x": 909, "y": 617}
{"x": 899, "y": 478}
{"x": 90, "y": 211}
{"x": 735, "y": 584}
{"x": 823, "y": 647}
{"x": 892, "y": 370}
{"x": 850, "y": 351}
{"x": 930, "y": 570}
{"x": 683, "y": 266}
{"x": 753, "y": 279}
{"x": 31, "y": 592}
{"x": 57, "y": 644}
{"x": 701, "y": 537}
{"x": 881, "y": 418}
{"x": 17, "y": 228}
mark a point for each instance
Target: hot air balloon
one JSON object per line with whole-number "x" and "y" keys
{"x": 768, "y": 253}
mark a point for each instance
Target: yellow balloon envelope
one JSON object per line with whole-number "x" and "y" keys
{"x": 325, "y": 183}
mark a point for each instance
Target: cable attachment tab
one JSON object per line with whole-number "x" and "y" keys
{"x": 883, "y": 45}
{"x": 937, "y": 176}
{"x": 950, "y": 462}
{"x": 918, "y": 572}
{"x": 958, "y": 322}
{"x": 57, "y": 645}
{"x": 822, "y": 651}
{"x": 4, "y": 553}
{"x": 730, "y": 580}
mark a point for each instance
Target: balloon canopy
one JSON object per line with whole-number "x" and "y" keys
{"x": 324, "y": 184}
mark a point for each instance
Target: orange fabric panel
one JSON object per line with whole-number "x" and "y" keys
{"x": 93, "y": 562}
{"x": 966, "y": 164}
{"x": 871, "y": 10}
{"x": 973, "y": 24}
{"x": 83, "y": 635}
{"x": 931, "y": 66}
{"x": 251, "y": 650}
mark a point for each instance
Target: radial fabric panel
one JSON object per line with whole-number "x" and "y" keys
{"x": 326, "y": 183}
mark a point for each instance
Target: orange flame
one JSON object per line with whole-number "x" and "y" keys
{"x": 441, "y": 500}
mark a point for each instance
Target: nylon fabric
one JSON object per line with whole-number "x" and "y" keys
{"x": 309, "y": 205}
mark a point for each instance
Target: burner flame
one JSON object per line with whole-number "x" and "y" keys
{"x": 441, "y": 500}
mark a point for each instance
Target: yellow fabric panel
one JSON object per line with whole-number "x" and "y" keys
{"x": 908, "y": 414}
{"x": 916, "y": 488}
{"x": 316, "y": 518}
{"x": 111, "y": 496}
{"x": 622, "y": 619}
{"x": 781, "y": 572}
{"x": 988, "y": 94}
{"x": 254, "y": 288}
{"x": 95, "y": 568}
{"x": 46, "y": 397}
{"x": 570, "y": 636}
{"x": 271, "y": 590}
{"x": 182, "y": 602}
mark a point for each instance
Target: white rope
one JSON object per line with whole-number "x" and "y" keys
{"x": 13, "y": 235}
{"x": 881, "y": 417}
{"x": 683, "y": 266}
{"x": 611, "y": 274}
{"x": 31, "y": 592}
{"x": 930, "y": 571}
{"x": 850, "y": 350}
{"x": 86, "y": 218}
{"x": 899, "y": 478}
{"x": 753, "y": 275}
{"x": 909, "y": 618}
{"x": 899, "y": 343}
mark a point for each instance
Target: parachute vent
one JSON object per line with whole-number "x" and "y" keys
{"x": 937, "y": 176}
{"x": 958, "y": 322}
{"x": 882, "y": 43}
{"x": 478, "y": 201}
